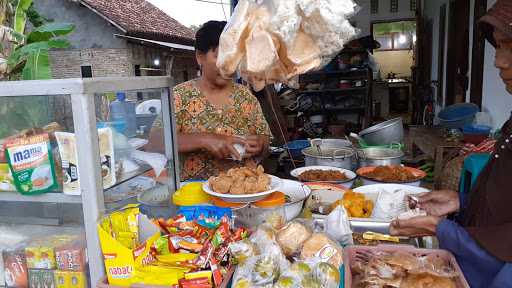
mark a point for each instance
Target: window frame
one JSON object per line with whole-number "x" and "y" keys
{"x": 392, "y": 38}
{"x": 82, "y": 71}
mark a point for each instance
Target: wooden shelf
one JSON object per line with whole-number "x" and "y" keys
{"x": 338, "y": 90}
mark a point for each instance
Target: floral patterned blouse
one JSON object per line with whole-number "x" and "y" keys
{"x": 195, "y": 114}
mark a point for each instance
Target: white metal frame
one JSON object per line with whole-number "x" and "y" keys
{"x": 82, "y": 93}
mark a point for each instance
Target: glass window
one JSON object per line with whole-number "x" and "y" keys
{"x": 401, "y": 41}
{"x": 386, "y": 42}
{"x": 399, "y": 35}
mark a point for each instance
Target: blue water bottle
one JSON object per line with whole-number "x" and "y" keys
{"x": 118, "y": 113}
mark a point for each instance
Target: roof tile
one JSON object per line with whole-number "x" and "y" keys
{"x": 140, "y": 18}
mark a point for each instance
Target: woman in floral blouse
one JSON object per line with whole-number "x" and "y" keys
{"x": 213, "y": 114}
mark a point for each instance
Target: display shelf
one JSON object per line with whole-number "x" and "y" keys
{"x": 41, "y": 198}
{"x": 359, "y": 74}
{"x": 82, "y": 97}
{"x": 125, "y": 177}
{"x": 328, "y": 110}
{"x": 337, "y": 90}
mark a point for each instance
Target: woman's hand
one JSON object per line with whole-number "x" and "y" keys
{"x": 221, "y": 146}
{"x": 256, "y": 145}
{"x": 415, "y": 227}
{"x": 439, "y": 203}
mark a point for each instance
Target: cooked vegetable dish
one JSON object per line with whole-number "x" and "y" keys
{"x": 322, "y": 175}
{"x": 391, "y": 174}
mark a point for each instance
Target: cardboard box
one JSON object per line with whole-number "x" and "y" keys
{"x": 41, "y": 278}
{"x": 70, "y": 279}
{"x": 15, "y": 269}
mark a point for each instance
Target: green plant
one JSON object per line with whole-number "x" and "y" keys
{"x": 28, "y": 58}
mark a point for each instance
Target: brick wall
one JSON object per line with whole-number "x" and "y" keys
{"x": 104, "y": 62}
{"x": 121, "y": 62}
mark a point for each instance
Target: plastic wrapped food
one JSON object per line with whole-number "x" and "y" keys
{"x": 287, "y": 282}
{"x": 311, "y": 283}
{"x": 273, "y": 41}
{"x": 243, "y": 250}
{"x": 292, "y": 236}
{"x": 322, "y": 247}
{"x": 401, "y": 269}
{"x": 302, "y": 269}
{"x": 327, "y": 275}
{"x": 265, "y": 270}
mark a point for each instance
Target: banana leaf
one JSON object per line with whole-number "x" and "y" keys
{"x": 49, "y": 31}
{"x": 37, "y": 66}
{"x": 20, "y": 15}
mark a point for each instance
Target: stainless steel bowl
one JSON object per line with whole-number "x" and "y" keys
{"x": 333, "y": 157}
{"x": 385, "y": 133}
{"x": 379, "y": 157}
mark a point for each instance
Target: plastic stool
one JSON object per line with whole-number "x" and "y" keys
{"x": 473, "y": 166}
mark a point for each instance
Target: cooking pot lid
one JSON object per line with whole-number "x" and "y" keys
{"x": 382, "y": 125}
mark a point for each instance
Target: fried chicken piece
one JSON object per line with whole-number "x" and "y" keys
{"x": 238, "y": 186}
{"x": 248, "y": 172}
{"x": 263, "y": 183}
{"x": 221, "y": 184}
{"x": 260, "y": 170}
{"x": 251, "y": 185}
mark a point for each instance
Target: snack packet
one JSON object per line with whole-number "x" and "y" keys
{"x": 123, "y": 225}
{"x": 31, "y": 164}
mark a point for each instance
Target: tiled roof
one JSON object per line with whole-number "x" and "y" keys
{"x": 141, "y": 19}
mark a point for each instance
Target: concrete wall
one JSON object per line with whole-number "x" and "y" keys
{"x": 92, "y": 31}
{"x": 432, "y": 12}
{"x": 399, "y": 62}
{"x": 496, "y": 100}
{"x": 364, "y": 17}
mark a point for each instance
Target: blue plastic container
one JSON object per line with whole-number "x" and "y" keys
{"x": 457, "y": 115}
{"x": 475, "y": 129}
{"x": 296, "y": 147}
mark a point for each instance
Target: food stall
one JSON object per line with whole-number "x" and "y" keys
{"x": 76, "y": 109}
{"x": 88, "y": 202}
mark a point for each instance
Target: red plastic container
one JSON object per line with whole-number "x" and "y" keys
{"x": 350, "y": 252}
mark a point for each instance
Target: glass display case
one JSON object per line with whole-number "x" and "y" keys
{"x": 71, "y": 151}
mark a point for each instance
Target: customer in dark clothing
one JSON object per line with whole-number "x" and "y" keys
{"x": 481, "y": 238}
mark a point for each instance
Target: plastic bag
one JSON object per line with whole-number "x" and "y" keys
{"x": 272, "y": 41}
{"x": 292, "y": 236}
{"x": 263, "y": 269}
{"x": 337, "y": 226}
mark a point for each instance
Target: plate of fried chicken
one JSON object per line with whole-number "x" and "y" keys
{"x": 242, "y": 185}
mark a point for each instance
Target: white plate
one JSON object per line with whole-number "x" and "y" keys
{"x": 275, "y": 184}
{"x": 351, "y": 175}
{"x": 371, "y": 192}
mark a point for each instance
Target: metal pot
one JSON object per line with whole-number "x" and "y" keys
{"x": 379, "y": 157}
{"x": 333, "y": 157}
{"x": 330, "y": 143}
{"x": 385, "y": 133}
